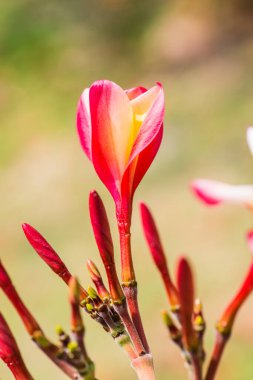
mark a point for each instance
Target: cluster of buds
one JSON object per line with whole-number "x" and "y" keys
{"x": 185, "y": 320}
{"x": 69, "y": 353}
{"x": 101, "y": 307}
{"x": 107, "y": 307}
{"x": 120, "y": 132}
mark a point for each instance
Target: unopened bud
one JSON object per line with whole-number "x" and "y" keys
{"x": 97, "y": 280}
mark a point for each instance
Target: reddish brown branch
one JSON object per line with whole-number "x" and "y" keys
{"x": 220, "y": 343}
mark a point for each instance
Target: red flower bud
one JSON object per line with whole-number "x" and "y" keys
{"x": 120, "y": 132}
{"x": 186, "y": 295}
{"x": 104, "y": 242}
{"x": 158, "y": 255}
{"x": 46, "y": 252}
{"x": 74, "y": 299}
{"x": 8, "y": 288}
{"x": 227, "y": 319}
{"x": 10, "y": 354}
{"x": 48, "y": 255}
{"x": 97, "y": 280}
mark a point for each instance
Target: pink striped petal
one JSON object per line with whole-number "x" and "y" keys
{"x": 148, "y": 137}
{"x": 214, "y": 192}
{"x": 141, "y": 106}
{"x": 250, "y": 138}
{"x": 146, "y": 158}
{"x": 150, "y": 107}
{"x": 144, "y": 99}
{"x": 84, "y": 122}
{"x": 132, "y": 93}
{"x": 112, "y": 118}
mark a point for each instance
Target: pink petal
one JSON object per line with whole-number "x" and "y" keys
{"x": 112, "y": 119}
{"x": 146, "y": 158}
{"x": 83, "y": 122}
{"x": 147, "y": 142}
{"x": 134, "y": 92}
{"x": 153, "y": 121}
{"x": 142, "y": 103}
{"x": 214, "y": 192}
{"x": 250, "y": 138}
{"x": 250, "y": 240}
{"x": 202, "y": 190}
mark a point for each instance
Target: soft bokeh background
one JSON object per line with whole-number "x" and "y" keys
{"x": 202, "y": 51}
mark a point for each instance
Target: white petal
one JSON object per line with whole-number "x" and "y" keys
{"x": 250, "y": 138}
{"x": 214, "y": 192}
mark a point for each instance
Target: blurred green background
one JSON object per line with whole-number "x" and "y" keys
{"x": 202, "y": 52}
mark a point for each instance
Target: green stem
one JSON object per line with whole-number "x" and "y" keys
{"x": 124, "y": 341}
{"x": 90, "y": 372}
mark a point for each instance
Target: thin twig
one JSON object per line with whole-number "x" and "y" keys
{"x": 220, "y": 343}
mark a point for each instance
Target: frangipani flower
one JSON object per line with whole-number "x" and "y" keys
{"x": 215, "y": 192}
{"x": 120, "y": 132}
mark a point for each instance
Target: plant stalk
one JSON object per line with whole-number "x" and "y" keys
{"x": 144, "y": 367}
{"x": 131, "y": 329}
{"x": 196, "y": 369}
{"x": 220, "y": 343}
{"x": 131, "y": 293}
{"x": 129, "y": 283}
